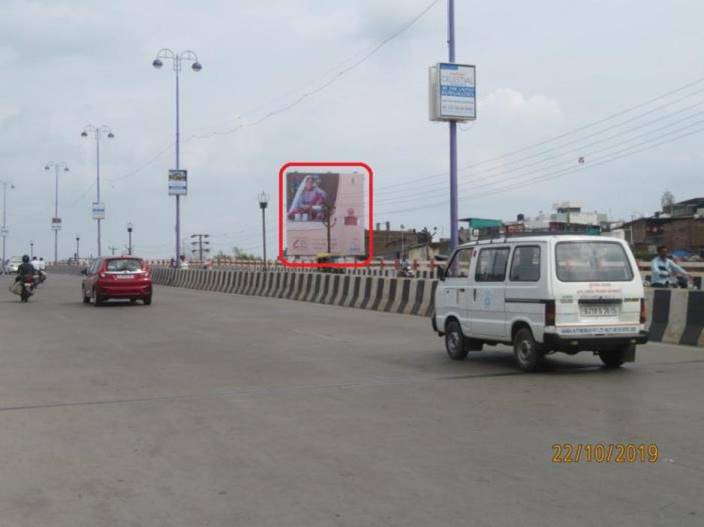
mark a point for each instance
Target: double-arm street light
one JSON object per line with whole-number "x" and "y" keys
{"x": 98, "y": 132}
{"x": 56, "y": 220}
{"x": 177, "y": 59}
{"x": 4, "y": 232}
{"x": 263, "y": 202}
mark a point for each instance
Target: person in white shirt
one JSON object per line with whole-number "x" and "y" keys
{"x": 41, "y": 265}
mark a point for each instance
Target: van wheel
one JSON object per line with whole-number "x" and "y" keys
{"x": 454, "y": 341}
{"x": 612, "y": 358}
{"x": 526, "y": 350}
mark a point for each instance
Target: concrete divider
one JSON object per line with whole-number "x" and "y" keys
{"x": 380, "y": 293}
{"x": 675, "y": 316}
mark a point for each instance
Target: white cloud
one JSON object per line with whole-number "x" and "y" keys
{"x": 507, "y": 103}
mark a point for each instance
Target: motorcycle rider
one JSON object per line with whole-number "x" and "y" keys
{"x": 40, "y": 266}
{"x": 664, "y": 271}
{"x": 25, "y": 268}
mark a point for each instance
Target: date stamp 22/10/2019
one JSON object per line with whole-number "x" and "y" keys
{"x": 566, "y": 453}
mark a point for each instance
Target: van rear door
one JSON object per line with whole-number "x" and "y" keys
{"x": 597, "y": 289}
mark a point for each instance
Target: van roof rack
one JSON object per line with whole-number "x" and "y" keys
{"x": 536, "y": 232}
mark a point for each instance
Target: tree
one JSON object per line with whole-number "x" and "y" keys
{"x": 667, "y": 201}
{"x": 242, "y": 255}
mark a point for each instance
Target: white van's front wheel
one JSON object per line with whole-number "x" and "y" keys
{"x": 454, "y": 341}
{"x": 528, "y": 356}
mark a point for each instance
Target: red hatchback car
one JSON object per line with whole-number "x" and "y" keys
{"x": 117, "y": 277}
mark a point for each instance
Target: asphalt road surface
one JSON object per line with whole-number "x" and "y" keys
{"x": 207, "y": 409}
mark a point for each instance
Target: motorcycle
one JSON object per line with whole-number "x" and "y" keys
{"x": 27, "y": 290}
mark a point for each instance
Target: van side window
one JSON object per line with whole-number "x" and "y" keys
{"x": 491, "y": 265}
{"x": 459, "y": 266}
{"x": 525, "y": 266}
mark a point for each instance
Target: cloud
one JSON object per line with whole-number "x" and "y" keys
{"x": 507, "y": 103}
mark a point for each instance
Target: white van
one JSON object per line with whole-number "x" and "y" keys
{"x": 542, "y": 294}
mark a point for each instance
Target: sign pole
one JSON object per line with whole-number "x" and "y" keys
{"x": 453, "y": 133}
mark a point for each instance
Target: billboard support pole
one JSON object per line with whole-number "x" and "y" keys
{"x": 453, "y": 133}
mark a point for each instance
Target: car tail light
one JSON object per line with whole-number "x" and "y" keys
{"x": 103, "y": 275}
{"x": 550, "y": 313}
{"x": 643, "y": 311}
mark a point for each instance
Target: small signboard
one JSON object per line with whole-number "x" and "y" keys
{"x": 453, "y": 92}
{"x": 178, "y": 182}
{"x": 4, "y": 232}
{"x": 56, "y": 224}
{"x": 98, "y": 211}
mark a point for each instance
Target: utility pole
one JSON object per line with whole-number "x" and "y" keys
{"x": 200, "y": 243}
{"x": 56, "y": 220}
{"x": 263, "y": 201}
{"x": 130, "y": 227}
{"x": 98, "y": 215}
{"x": 177, "y": 59}
{"x": 327, "y": 221}
{"x": 453, "y": 133}
{"x": 112, "y": 249}
{"x": 4, "y": 232}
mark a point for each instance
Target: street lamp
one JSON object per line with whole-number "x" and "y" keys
{"x": 177, "y": 59}
{"x": 31, "y": 249}
{"x": 3, "y": 231}
{"x": 98, "y": 209}
{"x": 56, "y": 220}
{"x": 78, "y": 245}
{"x": 263, "y": 202}
{"x": 129, "y": 235}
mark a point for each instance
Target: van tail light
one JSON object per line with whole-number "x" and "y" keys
{"x": 643, "y": 311}
{"x": 550, "y": 313}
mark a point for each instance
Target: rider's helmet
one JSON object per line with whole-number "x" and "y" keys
{"x": 25, "y": 258}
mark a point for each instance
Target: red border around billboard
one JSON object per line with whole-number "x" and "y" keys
{"x": 370, "y": 237}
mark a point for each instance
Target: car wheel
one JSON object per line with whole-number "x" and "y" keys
{"x": 454, "y": 341}
{"x": 147, "y": 300}
{"x": 86, "y": 298}
{"x": 612, "y": 358}
{"x": 526, "y": 350}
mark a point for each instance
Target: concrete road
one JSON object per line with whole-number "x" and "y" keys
{"x": 208, "y": 409}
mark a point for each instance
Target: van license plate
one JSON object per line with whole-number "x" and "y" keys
{"x": 599, "y": 311}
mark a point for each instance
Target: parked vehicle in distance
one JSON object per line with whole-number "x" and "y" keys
{"x": 12, "y": 265}
{"x": 542, "y": 294}
{"x": 117, "y": 277}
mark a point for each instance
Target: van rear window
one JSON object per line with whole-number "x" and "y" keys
{"x": 592, "y": 262}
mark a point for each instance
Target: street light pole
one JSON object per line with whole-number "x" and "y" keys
{"x": 177, "y": 59}
{"x": 31, "y": 249}
{"x": 4, "y": 232}
{"x": 78, "y": 242}
{"x": 129, "y": 238}
{"x": 263, "y": 202}
{"x": 56, "y": 221}
{"x": 453, "y": 133}
{"x": 97, "y": 131}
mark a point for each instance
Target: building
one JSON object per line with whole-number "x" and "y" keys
{"x": 395, "y": 244}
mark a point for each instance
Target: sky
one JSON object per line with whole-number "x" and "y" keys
{"x": 545, "y": 69}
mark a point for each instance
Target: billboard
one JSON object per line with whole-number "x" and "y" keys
{"x": 324, "y": 212}
{"x": 98, "y": 210}
{"x": 453, "y": 92}
{"x": 178, "y": 182}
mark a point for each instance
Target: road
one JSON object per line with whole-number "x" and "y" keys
{"x": 207, "y": 409}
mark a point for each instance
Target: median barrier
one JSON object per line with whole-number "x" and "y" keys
{"x": 394, "y": 295}
{"x": 674, "y": 316}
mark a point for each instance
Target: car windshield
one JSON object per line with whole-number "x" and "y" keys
{"x": 124, "y": 264}
{"x": 592, "y": 262}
